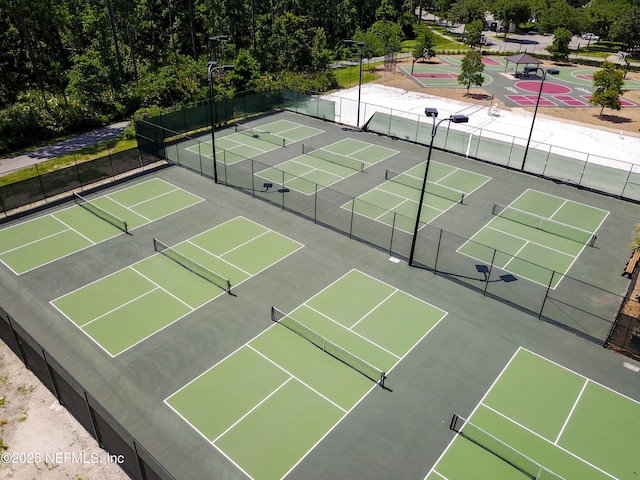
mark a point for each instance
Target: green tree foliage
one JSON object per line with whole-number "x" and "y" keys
{"x": 559, "y": 49}
{"x": 466, "y": 11}
{"x": 425, "y": 41}
{"x": 471, "y": 70}
{"x": 511, "y": 11}
{"x": 626, "y": 28}
{"x": 554, "y": 14}
{"x": 473, "y": 33}
{"x": 608, "y": 83}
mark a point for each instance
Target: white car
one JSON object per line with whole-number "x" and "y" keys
{"x": 590, "y": 36}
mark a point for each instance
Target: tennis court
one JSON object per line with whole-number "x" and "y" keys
{"x": 248, "y": 141}
{"x": 269, "y": 403}
{"x": 128, "y": 306}
{"x": 37, "y": 242}
{"x": 543, "y": 421}
{"x": 395, "y": 202}
{"x": 535, "y": 235}
{"x": 327, "y": 165}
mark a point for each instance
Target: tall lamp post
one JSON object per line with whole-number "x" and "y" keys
{"x": 220, "y": 70}
{"x": 361, "y": 45}
{"x": 433, "y": 113}
{"x": 535, "y": 112}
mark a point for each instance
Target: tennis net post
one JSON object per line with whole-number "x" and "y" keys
{"x": 432, "y": 188}
{"x": 553, "y": 227}
{"x": 500, "y": 449}
{"x": 261, "y": 135}
{"x": 192, "y": 266}
{"x": 333, "y": 158}
{"x": 327, "y": 346}
{"x": 100, "y": 212}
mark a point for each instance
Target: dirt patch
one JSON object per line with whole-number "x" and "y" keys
{"x": 40, "y": 438}
{"x": 627, "y": 119}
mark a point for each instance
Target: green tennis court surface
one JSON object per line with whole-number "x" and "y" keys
{"x": 548, "y": 421}
{"x": 255, "y": 141}
{"x": 400, "y": 194}
{"x": 124, "y": 308}
{"x": 327, "y": 165}
{"x": 34, "y": 243}
{"x": 270, "y": 402}
{"x": 536, "y": 235}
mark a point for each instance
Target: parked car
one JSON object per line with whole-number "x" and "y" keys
{"x": 590, "y": 36}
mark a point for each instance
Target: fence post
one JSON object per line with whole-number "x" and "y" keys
{"x": 486, "y": 280}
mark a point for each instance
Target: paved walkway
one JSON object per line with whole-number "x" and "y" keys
{"x": 61, "y": 148}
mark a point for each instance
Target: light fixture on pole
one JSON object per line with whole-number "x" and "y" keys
{"x": 433, "y": 113}
{"x": 213, "y": 42}
{"x": 535, "y": 112}
{"x": 361, "y": 45}
{"x": 220, "y": 70}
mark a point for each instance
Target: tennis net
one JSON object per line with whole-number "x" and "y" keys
{"x": 327, "y": 346}
{"x": 192, "y": 266}
{"x": 432, "y": 188}
{"x": 333, "y": 157}
{"x": 500, "y": 449}
{"x": 545, "y": 224}
{"x": 260, "y": 134}
{"x": 100, "y": 212}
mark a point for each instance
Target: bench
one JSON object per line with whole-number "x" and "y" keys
{"x": 632, "y": 263}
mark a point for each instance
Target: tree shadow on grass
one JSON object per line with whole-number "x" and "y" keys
{"x": 615, "y": 119}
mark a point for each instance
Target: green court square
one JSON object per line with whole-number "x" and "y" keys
{"x": 603, "y": 428}
{"x": 247, "y": 377}
{"x": 141, "y": 192}
{"x": 41, "y": 252}
{"x": 139, "y": 319}
{"x": 93, "y": 228}
{"x": 99, "y": 298}
{"x": 360, "y": 346}
{"x": 193, "y": 291}
{"x": 311, "y": 366}
{"x": 540, "y": 203}
{"x": 338, "y": 300}
{"x": 398, "y": 322}
{"x": 228, "y": 235}
{"x": 30, "y": 231}
{"x": 261, "y": 252}
{"x": 264, "y": 444}
{"x": 535, "y": 393}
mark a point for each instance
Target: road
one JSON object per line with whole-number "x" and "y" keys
{"x": 58, "y": 149}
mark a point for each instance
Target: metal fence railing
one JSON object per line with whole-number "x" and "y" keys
{"x": 108, "y": 432}
{"x": 45, "y": 187}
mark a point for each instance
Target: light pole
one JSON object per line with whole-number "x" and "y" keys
{"x": 213, "y": 42}
{"x": 214, "y": 68}
{"x": 433, "y": 113}
{"x": 361, "y": 45}
{"x": 535, "y": 112}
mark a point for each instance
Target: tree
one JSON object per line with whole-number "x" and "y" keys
{"x": 466, "y": 11}
{"x": 626, "y": 29}
{"x": 511, "y": 11}
{"x": 553, "y": 14}
{"x": 471, "y": 70}
{"x": 473, "y": 33}
{"x": 425, "y": 43}
{"x": 607, "y": 84}
{"x": 559, "y": 49}
{"x": 245, "y": 73}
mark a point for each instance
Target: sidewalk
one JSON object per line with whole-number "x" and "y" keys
{"x": 61, "y": 148}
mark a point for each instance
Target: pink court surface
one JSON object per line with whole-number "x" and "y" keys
{"x": 548, "y": 87}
